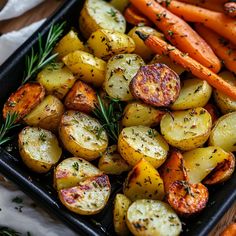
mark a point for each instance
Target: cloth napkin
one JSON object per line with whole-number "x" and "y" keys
{"x": 18, "y": 211}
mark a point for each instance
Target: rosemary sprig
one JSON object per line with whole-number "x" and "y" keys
{"x": 7, "y": 126}
{"x": 37, "y": 60}
{"x": 5, "y": 231}
{"x": 109, "y": 116}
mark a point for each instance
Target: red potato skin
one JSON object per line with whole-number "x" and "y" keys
{"x": 212, "y": 109}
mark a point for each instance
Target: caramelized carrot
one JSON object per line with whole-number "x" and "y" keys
{"x": 217, "y": 21}
{"x": 230, "y": 230}
{"x": 179, "y": 33}
{"x": 159, "y": 46}
{"x": 224, "y": 49}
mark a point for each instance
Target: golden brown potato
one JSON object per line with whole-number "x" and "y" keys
{"x": 81, "y": 97}
{"x": 144, "y": 182}
{"x": 156, "y": 85}
{"x": 213, "y": 111}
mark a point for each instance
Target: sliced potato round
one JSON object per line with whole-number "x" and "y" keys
{"x": 120, "y": 71}
{"x": 39, "y": 149}
{"x": 89, "y": 197}
{"x": 188, "y": 129}
{"x": 224, "y": 133}
{"x": 82, "y": 135}
{"x": 47, "y": 114}
{"x": 71, "y": 171}
{"x": 139, "y": 142}
{"x": 194, "y": 93}
{"x": 98, "y": 14}
{"x": 152, "y": 217}
{"x": 121, "y": 205}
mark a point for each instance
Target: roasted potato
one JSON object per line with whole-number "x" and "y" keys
{"x": 69, "y": 43}
{"x": 119, "y": 4}
{"x": 224, "y": 133}
{"x": 81, "y": 97}
{"x": 144, "y": 182}
{"x": 57, "y": 79}
{"x": 82, "y": 135}
{"x": 120, "y": 71}
{"x": 187, "y": 199}
{"x": 112, "y": 163}
{"x": 98, "y": 14}
{"x": 137, "y": 113}
{"x": 156, "y": 85}
{"x": 105, "y": 43}
{"x": 152, "y": 217}
{"x": 71, "y": 171}
{"x": 86, "y": 67}
{"x": 39, "y": 149}
{"x": 137, "y": 142}
{"x": 121, "y": 205}
{"x": 188, "y": 129}
{"x": 201, "y": 161}
{"x": 225, "y": 103}
{"x": 24, "y": 100}
{"x": 213, "y": 111}
{"x": 47, "y": 114}
{"x": 194, "y": 93}
{"x": 87, "y": 198}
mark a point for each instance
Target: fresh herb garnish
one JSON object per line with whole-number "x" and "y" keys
{"x": 76, "y": 166}
{"x": 17, "y": 200}
{"x": 113, "y": 14}
{"x": 42, "y": 137}
{"x": 151, "y": 133}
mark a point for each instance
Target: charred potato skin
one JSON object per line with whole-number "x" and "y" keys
{"x": 156, "y": 85}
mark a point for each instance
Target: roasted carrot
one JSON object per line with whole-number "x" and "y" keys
{"x": 217, "y": 21}
{"x": 159, "y": 46}
{"x": 224, "y": 49}
{"x": 179, "y": 33}
{"x": 230, "y": 230}
{"x": 230, "y": 9}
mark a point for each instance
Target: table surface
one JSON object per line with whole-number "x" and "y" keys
{"x": 46, "y": 9}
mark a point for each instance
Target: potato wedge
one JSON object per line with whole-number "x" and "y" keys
{"x": 225, "y": 103}
{"x": 194, "y": 93}
{"x": 187, "y": 199}
{"x": 137, "y": 142}
{"x": 121, "y": 205}
{"x": 69, "y": 43}
{"x": 86, "y": 67}
{"x": 120, "y": 71}
{"x": 39, "y": 149}
{"x": 201, "y": 161}
{"x": 112, "y": 163}
{"x": 152, "y": 217}
{"x": 98, "y": 14}
{"x": 173, "y": 169}
{"x": 222, "y": 172}
{"x": 57, "y": 79}
{"x": 71, "y": 171}
{"x": 137, "y": 113}
{"x": 81, "y": 97}
{"x": 144, "y": 182}
{"x": 81, "y": 135}
{"x": 224, "y": 133}
{"x": 188, "y": 129}
{"x": 105, "y": 43}
{"x": 24, "y": 100}
{"x": 156, "y": 85}
{"x": 89, "y": 197}
{"x": 47, "y": 114}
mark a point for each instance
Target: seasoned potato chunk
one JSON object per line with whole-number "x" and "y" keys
{"x": 156, "y": 85}
{"x": 120, "y": 71}
{"x": 144, "y": 182}
{"x": 105, "y": 43}
{"x": 57, "y": 79}
{"x": 98, "y": 14}
{"x": 82, "y": 135}
{"x": 152, "y": 217}
{"x": 139, "y": 142}
{"x": 194, "y": 93}
{"x": 39, "y": 149}
{"x": 71, "y": 171}
{"x": 81, "y": 97}
{"x": 186, "y": 129}
{"x": 86, "y": 67}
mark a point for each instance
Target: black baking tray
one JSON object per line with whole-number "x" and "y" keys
{"x": 39, "y": 187}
